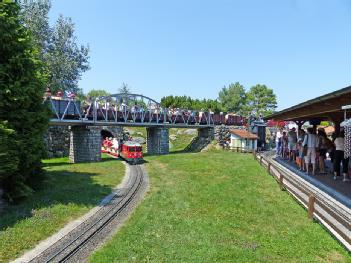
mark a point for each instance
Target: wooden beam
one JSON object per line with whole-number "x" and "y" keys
{"x": 311, "y": 201}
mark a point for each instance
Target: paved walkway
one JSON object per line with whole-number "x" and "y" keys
{"x": 339, "y": 190}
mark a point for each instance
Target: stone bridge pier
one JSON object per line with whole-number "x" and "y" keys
{"x": 85, "y": 144}
{"x": 157, "y": 141}
{"x": 207, "y": 133}
{"x": 202, "y": 140}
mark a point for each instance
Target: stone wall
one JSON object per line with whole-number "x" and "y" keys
{"x": 157, "y": 140}
{"x": 85, "y": 144}
{"x": 222, "y": 133}
{"x": 56, "y": 141}
{"x": 117, "y": 131}
{"x": 202, "y": 140}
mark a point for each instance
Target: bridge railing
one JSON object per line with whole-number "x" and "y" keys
{"x": 118, "y": 109}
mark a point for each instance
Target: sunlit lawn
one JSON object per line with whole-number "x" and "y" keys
{"x": 69, "y": 191}
{"x": 218, "y": 207}
{"x": 182, "y": 140}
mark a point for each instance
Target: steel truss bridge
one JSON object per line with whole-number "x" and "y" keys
{"x": 124, "y": 110}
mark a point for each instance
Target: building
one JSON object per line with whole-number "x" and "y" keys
{"x": 244, "y": 140}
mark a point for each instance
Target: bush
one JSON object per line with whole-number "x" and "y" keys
{"x": 23, "y": 117}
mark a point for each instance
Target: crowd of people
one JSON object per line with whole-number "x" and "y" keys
{"x": 310, "y": 149}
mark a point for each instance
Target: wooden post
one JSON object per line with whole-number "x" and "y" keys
{"x": 281, "y": 181}
{"x": 269, "y": 167}
{"x": 261, "y": 157}
{"x": 311, "y": 201}
{"x": 254, "y": 154}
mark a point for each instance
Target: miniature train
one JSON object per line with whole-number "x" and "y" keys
{"x": 130, "y": 151}
{"x": 71, "y": 109}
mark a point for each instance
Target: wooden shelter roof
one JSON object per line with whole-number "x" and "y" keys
{"x": 326, "y": 107}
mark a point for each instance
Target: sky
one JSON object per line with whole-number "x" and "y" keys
{"x": 299, "y": 48}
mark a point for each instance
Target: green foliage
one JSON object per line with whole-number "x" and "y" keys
{"x": 8, "y": 158}
{"x": 326, "y": 123}
{"x": 125, "y": 89}
{"x": 23, "y": 116}
{"x": 65, "y": 61}
{"x": 186, "y": 102}
{"x": 233, "y": 98}
{"x": 94, "y": 93}
{"x": 261, "y": 100}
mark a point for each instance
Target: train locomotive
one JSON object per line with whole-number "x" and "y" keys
{"x": 130, "y": 151}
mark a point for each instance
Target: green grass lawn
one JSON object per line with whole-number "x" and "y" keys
{"x": 218, "y": 207}
{"x": 182, "y": 139}
{"x": 69, "y": 191}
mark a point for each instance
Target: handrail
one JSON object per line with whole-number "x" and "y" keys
{"x": 101, "y": 111}
{"x": 335, "y": 216}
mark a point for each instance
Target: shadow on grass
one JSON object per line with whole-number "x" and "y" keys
{"x": 170, "y": 153}
{"x": 50, "y": 163}
{"x": 59, "y": 187}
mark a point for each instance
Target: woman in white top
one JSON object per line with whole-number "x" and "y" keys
{"x": 339, "y": 158}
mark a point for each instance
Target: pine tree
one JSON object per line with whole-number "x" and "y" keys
{"x": 23, "y": 116}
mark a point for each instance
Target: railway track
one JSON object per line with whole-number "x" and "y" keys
{"x": 77, "y": 245}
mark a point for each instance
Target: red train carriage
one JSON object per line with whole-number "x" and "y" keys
{"x": 110, "y": 146}
{"x": 131, "y": 152}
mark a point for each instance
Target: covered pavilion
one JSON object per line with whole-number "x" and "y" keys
{"x": 324, "y": 108}
{"x": 328, "y": 107}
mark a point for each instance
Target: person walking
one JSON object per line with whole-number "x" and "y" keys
{"x": 339, "y": 157}
{"x": 311, "y": 141}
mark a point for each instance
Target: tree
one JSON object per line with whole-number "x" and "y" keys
{"x": 23, "y": 116}
{"x": 186, "y": 102}
{"x": 125, "y": 89}
{"x": 97, "y": 93}
{"x": 233, "y": 98}
{"x": 65, "y": 61}
{"x": 261, "y": 100}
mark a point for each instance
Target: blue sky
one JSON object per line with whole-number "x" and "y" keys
{"x": 299, "y": 48}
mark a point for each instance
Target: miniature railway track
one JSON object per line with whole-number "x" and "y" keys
{"x": 71, "y": 244}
